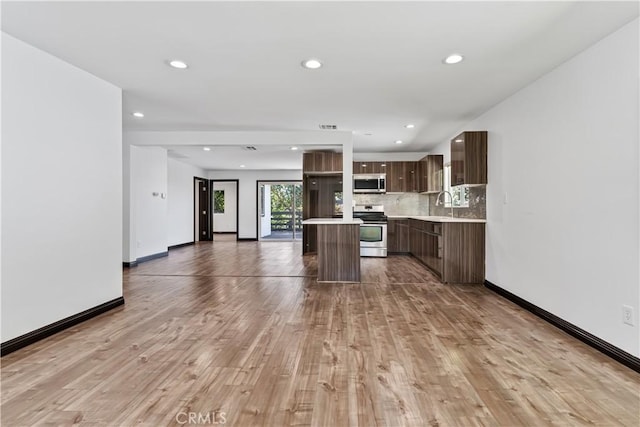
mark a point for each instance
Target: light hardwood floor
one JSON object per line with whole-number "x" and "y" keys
{"x": 242, "y": 333}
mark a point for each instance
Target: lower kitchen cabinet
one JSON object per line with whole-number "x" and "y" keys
{"x": 454, "y": 251}
{"x": 398, "y": 235}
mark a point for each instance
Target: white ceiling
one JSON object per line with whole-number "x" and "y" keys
{"x": 382, "y": 60}
{"x": 228, "y": 157}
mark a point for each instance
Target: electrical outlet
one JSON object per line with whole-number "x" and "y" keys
{"x": 627, "y": 315}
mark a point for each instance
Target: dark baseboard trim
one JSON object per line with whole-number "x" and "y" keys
{"x": 181, "y": 245}
{"x": 225, "y": 232}
{"x": 46, "y": 331}
{"x": 599, "y": 344}
{"x": 247, "y": 239}
{"x": 152, "y": 256}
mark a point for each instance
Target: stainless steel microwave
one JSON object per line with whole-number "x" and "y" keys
{"x": 370, "y": 183}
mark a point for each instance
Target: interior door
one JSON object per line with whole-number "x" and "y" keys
{"x": 204, "y": 222}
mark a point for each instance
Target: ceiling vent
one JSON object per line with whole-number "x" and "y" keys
{"x": 250, "y": 148}
{"x": 328, "y": 127}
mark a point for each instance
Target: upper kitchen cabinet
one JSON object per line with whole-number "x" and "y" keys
{"x": 429, "y": 170}
{"x": 469, "y": 158}
{"x": 321, "y": 162}
{"x": 369, "y": 167}
{"x": 401, "y": 177}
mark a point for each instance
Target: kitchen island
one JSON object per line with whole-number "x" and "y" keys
{"x": 338, "y": 249}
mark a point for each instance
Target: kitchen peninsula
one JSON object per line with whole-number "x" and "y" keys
{"x": 338, "y": 247}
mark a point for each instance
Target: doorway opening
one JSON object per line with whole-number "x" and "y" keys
{"x": 279, "y": 210}
{"x": 224, "y": 209}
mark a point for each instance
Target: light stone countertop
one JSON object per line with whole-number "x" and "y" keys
{"x": 438, "y": 218}
{"x": 333, "y": 221}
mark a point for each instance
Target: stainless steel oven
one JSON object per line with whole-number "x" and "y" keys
{"x": 373, "y": 239}
{"x": 373, "y": 230}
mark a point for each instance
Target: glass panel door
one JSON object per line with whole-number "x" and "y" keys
{"x": 280, "y": 210}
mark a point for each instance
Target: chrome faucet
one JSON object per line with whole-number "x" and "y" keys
{"x": 445, "y": 199}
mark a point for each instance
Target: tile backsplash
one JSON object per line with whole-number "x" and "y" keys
{"x": 477, "y": 205}
{"x": 398, "y": 203}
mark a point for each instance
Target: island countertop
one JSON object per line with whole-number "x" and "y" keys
{"x": 437, "y": 218}
{"x": 331, "y": 221}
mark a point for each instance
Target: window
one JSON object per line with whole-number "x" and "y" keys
{"x": 218, "y": 201}
{"x": 337, "y": 198}
{"x": 459, "y": 193}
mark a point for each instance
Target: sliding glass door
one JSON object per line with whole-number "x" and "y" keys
{"x": 280, "y": 210}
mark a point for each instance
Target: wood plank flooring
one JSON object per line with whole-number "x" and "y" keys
{"x": 241, "y": 334}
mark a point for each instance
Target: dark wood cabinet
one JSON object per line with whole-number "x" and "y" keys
{"x": 469, "y": 158}
{"x": 415, "y": 238}
{"x": 432, "y": 254}
{"x": 411, "y": 177}
{"x": 429, "y": 173}
{"x": 321, "y": 162}
{"x": 394, "y": 177}
{"x": 453, "y": 251}
{"x": 401, "y": 177}
{"x": 463, "y": 253}
{"x": 398, "y": 236}
{"x": 369, "y": 167}
{"x": 403, "y": 237}
{"x": 319, "y": 201}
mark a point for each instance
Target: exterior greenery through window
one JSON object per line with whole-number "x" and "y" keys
{"x": 337, "y": 196}
{"x": 218, "y": 201}
{"x": 459, "y": 193}
{"x": 285, "y": 198}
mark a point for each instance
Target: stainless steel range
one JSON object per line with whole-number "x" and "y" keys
{"x": 373, "y": 230}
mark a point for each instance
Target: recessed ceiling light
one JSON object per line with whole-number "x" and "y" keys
{"x": 454, "y": 58}
{"x": 137, "y": 114}
{"x": 458, "y": 140}
{"x": 312, "y": 64}
{"x": 242, "y": 166}
{"x": 384, "y": 165}
{"x": 294, "y": 148}
{"x": 398, "y": 142}
{"x": 206, "y": 148}
{"x": 409, "y": 126}
{"x": 178, "y": 64}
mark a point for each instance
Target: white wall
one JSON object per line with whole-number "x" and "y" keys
{"x": 61, "y": 189}
{"x": 247, "y": 227}
{"x": 565, "y": 150}
{"x": 225, "y": 222}
{"x": 180, "y": 197}
{"x": 149, "y": 175}
{"x": 128, "y": 207}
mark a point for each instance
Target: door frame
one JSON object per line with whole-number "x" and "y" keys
{"x": 275, "y": 181}
{"x": 237, "y": 181}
